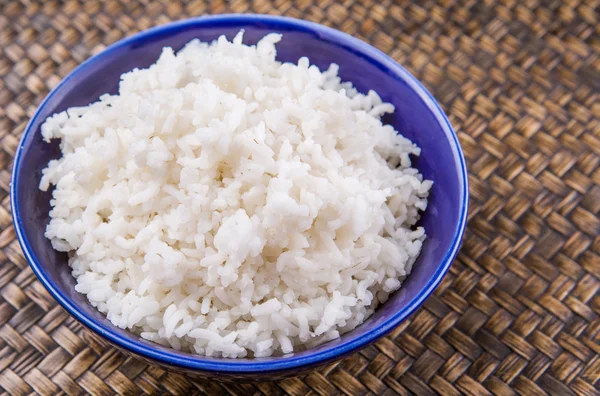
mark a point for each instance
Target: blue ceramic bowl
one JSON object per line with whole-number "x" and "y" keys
{"x": 417, "y": 116}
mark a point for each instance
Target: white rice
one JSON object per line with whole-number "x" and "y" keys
{"x": 227, "y": 204}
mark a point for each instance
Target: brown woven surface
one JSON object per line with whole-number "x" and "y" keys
{"x": 519, "y": 312}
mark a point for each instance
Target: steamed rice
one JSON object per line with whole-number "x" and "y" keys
{"x": 227, "y": 204}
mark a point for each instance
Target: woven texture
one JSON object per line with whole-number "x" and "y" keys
{"x": 519, "y": 312}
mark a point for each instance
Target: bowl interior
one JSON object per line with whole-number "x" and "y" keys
{"x": 416, "y": 116}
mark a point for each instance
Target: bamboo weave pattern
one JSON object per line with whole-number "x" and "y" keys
{"x": 519, "y": 312}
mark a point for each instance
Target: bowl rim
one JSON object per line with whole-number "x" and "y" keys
{"x": 238, "y": 366}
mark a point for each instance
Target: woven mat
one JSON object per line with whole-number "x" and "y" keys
{"x": 519, "y": 312}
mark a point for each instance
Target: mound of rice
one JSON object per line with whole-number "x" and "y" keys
{"x": 227, "y": 204}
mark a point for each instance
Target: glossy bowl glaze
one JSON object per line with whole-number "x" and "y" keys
{"x": 417, "y": 116}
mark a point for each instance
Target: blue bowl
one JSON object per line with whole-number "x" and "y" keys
{"x": 417, "y": 116}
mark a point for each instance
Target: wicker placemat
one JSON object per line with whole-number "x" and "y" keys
{"x": 519, "y": 312}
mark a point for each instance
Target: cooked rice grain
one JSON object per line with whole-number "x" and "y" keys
{"x": 227, "y": 204}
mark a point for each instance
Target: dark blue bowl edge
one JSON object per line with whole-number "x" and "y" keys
{"x": 234, "y": 366}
